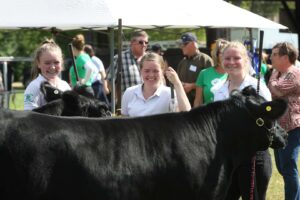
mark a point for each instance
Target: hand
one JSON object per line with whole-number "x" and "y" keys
{"x": 273, "y": 83}
{"x": 188, "y": 87}
{"x": 82, "y": 81}
{"x": 172, "y": 76}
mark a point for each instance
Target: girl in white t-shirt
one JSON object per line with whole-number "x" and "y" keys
{"x": 152, "y": 96}
{"x": 48, "y": 62}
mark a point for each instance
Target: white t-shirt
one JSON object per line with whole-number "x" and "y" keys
{"x": 33, "y": 96}
{"x": 100, "y": 67}
{"x": 221, "y": 90}
{"x": 134, "y": 103}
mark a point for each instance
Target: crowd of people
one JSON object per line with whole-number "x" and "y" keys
{"x": 149, "y": 86}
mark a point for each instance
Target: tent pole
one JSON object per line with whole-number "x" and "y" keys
{"x": 119, "y": 69}
{"x": 111, "y": 53}
{"x": 5, "y": 82}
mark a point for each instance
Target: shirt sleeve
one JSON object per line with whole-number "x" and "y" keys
{"x": 200, "y": 78}
{"x": 101, "y": 66}
{"x": 124, "y": 103}
{"x": 115, "y": 65}
{"x": 32, "y": 97}
{"x": 265, "y": 92}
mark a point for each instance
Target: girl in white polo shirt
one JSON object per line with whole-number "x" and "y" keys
{"x": 153, "y": 96}
{"x": 48, "y": 62}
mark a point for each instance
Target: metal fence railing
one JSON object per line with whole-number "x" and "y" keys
{"x": 9, "y": 100}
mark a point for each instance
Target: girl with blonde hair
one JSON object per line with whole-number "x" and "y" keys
{"x": 236, "y": 64}
{"x": 47, "y": 66}
{"x": 209, "y": 77}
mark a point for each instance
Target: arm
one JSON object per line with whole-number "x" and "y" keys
{"x": 89, "y": 72}
{"x": 283, "y": 86}
{"x": 189, "y": 87}
{"x": 183, "y": 102}
{"x": 198, "y": 101}
{"x": 104, "y": 82}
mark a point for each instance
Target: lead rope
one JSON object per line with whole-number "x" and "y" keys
{"x": 172, "y": 103}
{"x": 252, "y": 173}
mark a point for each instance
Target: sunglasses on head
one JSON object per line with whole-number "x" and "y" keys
{"x": 141, "y": 42}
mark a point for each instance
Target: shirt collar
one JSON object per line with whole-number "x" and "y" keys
{"x": 139, "y": 91}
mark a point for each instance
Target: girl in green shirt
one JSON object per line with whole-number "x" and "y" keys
{"x": 208, "y": 77}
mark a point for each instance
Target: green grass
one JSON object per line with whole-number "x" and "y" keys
{"x": 276, "y": 186}
{"x": 17, "y": 100}
{"x": 275, "y": 189}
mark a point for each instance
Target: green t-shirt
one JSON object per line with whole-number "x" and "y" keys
{"x": 81, "y": 60}
{"x": 206, "y": 79}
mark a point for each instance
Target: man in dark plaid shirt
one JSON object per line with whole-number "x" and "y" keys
{"x": 130, "y": 74}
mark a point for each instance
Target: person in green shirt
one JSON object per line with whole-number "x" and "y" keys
{"x": 208, "y": 77}
{"x": 86, "y": 69}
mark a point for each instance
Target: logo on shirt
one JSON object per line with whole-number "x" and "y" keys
{"x": 28, "y": 98}
{"x": 215, "y": 81}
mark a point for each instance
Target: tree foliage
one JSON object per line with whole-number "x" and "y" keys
{"x": 20, "y": 43}
{"x": 266, "y": 9}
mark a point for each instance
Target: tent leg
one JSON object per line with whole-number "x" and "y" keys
{"x": 111, "y": 53}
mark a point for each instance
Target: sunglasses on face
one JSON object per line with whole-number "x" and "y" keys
{"x": 141, "y": 42}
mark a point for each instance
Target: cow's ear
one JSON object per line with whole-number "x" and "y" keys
{"x": 252, "y": 104}
{"x": 249, "y": 91}
{"x": 274, "y": 109}
{"x": 270, "y": 109}
{"x": 50, "y": 93}
{"x": 235, "y": 93}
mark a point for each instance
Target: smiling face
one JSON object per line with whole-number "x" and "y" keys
{"x": 235, "y": 60}
{"x": 50, "y": 64}
{"x": 151, "y": 73}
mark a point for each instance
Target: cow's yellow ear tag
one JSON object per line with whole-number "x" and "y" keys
{"x": 268, "y": 108}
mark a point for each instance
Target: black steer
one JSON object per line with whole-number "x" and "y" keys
{"x": 51, "y": 93}
{"x": 71, "y": 103}
{"x": 187, "y": 155}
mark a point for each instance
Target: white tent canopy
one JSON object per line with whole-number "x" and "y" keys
{"x": 100, "y": 14}
{"x": 186, "y": 14}
{"x": 61, "y": 14}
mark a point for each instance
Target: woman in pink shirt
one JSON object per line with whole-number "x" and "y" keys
{"x": 285, "y": 83}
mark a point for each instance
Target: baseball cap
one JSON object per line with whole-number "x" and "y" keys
{"x": 156, "y": 47}
{"x": 187, "y": 37}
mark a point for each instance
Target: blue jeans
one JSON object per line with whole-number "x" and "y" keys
{"x": 286, "y": 162}
{"x": 99, "y": 93}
